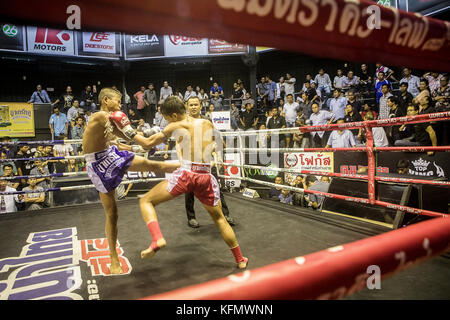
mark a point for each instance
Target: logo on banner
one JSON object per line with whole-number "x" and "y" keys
{"x": 185, "y": 41}
{"x": 102, "y": 42}
{"x": 291, "y": 160}
{"x": 421, "y": 168}
{"x": 144, "y": 39}
{"x": 53, "y": 41}
{"x": 10, "y": 30}
{"x": 49, "y": 267}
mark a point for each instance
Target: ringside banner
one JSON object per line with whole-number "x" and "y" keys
{"x": 358, "y": 30}
{"x": 16, "y": 119}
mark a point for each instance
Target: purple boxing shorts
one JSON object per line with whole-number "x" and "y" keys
{"x": 106, "y": 168}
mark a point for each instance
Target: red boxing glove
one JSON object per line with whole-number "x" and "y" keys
{"x": 122, "y": 123}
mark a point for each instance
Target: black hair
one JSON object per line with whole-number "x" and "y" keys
{"x": 310, "y": 179}
{"x": 402, "y": 163}
{"x": 393, "y": 99}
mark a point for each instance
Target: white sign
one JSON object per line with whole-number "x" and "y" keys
{"x": 221, "y": 120}
{"x": 101, "y": 42}
{"x": 50, "y": 41}
{"x": 230, "y": 171}
{"x": 181, "y": 46}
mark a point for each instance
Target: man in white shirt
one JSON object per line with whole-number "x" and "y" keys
{"x": 281, "y": 89}
{"x": 319, "y": 117}
{"x": 341, "y": 138}
{"x": 337, "y": 82}
{"x": 323, "y": 83}
{"x": 8, "y": 202}
{"x": 165, "y": 92}
{"x": 289, "y": 84}
{"x": 34, "y": 200}
{"x": 413, "y": 82}
{"x": 379, "y": 135}
{"x": 189, "y": 93}
{"x": 73, "y": 112}
{"x": 384, "y": 109}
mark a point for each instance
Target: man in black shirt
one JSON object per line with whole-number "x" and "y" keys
{"x": 404, "y": 97}
{"x": 277, "y": 122}
{"x": 66, "y": 100}
{"x": 352, "y": 116}
{"x": 87, "y": 99}
{"x": 248, "y": 118}
{"x": 351, "y": 99}
{"x": 395, "y": 112}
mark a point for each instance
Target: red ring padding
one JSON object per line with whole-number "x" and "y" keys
{"x": 328, "y": 274}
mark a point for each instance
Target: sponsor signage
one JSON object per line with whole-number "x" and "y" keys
{"x": 16, "y": 119}
{"x": 314, "y": 161}
{"x": 220, "y": 46}
{"x": 50, "y": 41}
{"x": 99, "y": 44}
{"x": 221, "y": 120}
{"x": 182, "y": 46}
{"x": 232, "y": 171}
{"x": 50, "y": 264}
{"x": 12, "y": 37}
{"x": 143, "y": 46}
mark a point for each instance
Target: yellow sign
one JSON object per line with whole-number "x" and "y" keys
{"x": 16, "y": 119}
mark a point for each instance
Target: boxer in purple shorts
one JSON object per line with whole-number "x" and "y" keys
{"x": 107, "y": 162}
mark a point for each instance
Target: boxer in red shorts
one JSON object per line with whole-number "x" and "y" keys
{"x": 195, "y": 143}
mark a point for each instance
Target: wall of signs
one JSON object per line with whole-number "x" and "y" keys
{"x": 109, "y": 45}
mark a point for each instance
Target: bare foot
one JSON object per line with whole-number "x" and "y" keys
{"x": 148, "y": 253}
{"x": 115, "y": 268}
{"x": 243, "y": 264}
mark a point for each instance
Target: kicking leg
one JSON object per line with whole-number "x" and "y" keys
{"x": 227, "y": 233}
{"x": 141, "y": 164}
{"x": 147, "y": 203}
{"x": 109, "y": 204}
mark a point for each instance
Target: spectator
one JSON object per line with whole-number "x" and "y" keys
{"x": 203, "y": 98}
{"x": 139, "y": 97}
{"x": 350, "y": 81}
{"x": 39, "y": 96}
{"x": 178, "y": 94}
{"x": 300, "y": 139}
{"x": 441, "y": 96}
{"x": 277, "y": 122}
{"x": 433, "y": 79}
{"x": 87, "y": 98}
{"x": 9, "y": 150}
{"x": 351, "y": 99}
{"x": 338, "y": 79}
{"x": 319, "y": 117}
{"x": 365, "y": 80}
{"x": 77, "y": 133}
{"x": 237, "y": 95}
{"x": 35, "y": 200}
{"x": 337, "y": 104}
{"x": 41, "y": 169}
{"x": 165, "y": 91}
{"x": 323, "y": 83}
{"x": 380, "y": 138}
{"x": 72, "y": 165}
{"x": 8, "y": 171}
{"x": 48, "y": 152}
{"x": 423, "y": 133}
{"x": 159, "y": 119}
{"x": 4, "y": 156}
{"x": 248, "y": 118}
{"x": 413, "y": 82}
{"x": 66, "y": 100}
{"x": 62, "y": 150}
{"x": 58, "y": 123}
{"x": 262, "y": 137}
{"x": 404, "y": 97}
{"x": 286, "y": 196}
{"x": 289, "y": 87}
{"x": 379, "y": 83}
{"x": 395, "y": 112}
{"x": 306, "y": 105}
{"x": 271, "y": 91}
{"x": 281, "y": 89}
{"x": 262, "y": 90}
{"x": 73, "y": 113}
{"x": 310, "y": 91}
{"x": 311, "y": 183}
{"x": 388, "y": 73}
{"x": 290, "y": 110}
{"x": 383, "y": 107}
{"x": 403, "y": 167}
{"x": 142, "y": 126}
{"x": 234, "y": 116}
{"x": 216, "y": 101}
{"x": 189, "y": 93}
{"x": 208, "y": 114}
{"x": 241, "y": 86}
{"x": 424, "y": 91}
{"x": 133, "y": 117}
{"x": 23, "y": 166}
{"x": 216, "y": 88}
{"x": 8, "y": 202}
{"x": 150, "y": 100}
{"x": 87, "y": 116}
{"x": 275, "y": 192}
{"x": 248, "y": 99}
{"x": 308, "y": 79}
{"x": 352, "y": 116}
{"x": 425, "y": 106}
{"x": 367, "y": 108}
{"x": 341, "y": 138}
{"x": 39, "y": 152}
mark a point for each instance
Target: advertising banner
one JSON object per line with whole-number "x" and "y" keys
{"x": 16, "y": 119}
{"x": 12, "y": 37}
{"x": 50, "y": 41}
{"x": 232, "y": 171}
{"x": 99, "y": 44}
{"x": 220, "y": 46}
{"x": 143, "y": 46}
{"x": 179, "y": 46}
{"x": 221, "y": 120}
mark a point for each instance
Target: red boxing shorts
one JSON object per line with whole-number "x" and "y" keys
{"x": 195, "y": 178}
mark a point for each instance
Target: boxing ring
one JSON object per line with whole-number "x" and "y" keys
{"x": 294, "y": 253}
